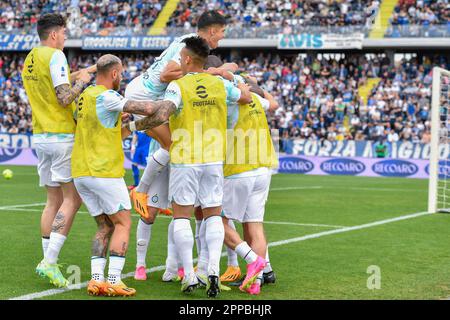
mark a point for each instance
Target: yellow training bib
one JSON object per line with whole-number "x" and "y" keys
{"x": 97, "y": 151}
{"x": 249, "y": 144}
{"x": 199, "y": 129}
{"x": 47, "y": 114}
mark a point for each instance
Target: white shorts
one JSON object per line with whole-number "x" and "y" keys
{"x": 245, "y": 198}
{"x": 103, "y": 195}
{"x": 136, "y": 90}
{"x": 202, "y": 185}
{"x": 158, "y": 192}
{"x": 54, "y": 163}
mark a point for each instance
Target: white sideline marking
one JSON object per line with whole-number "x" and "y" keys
{"x": 169, "y": 217}
{"x": 388, "y": 189}
{"x": 296, "y": 188}
{"x": 272, "y": 244}
{"x": 23, "y": 205}
{"x": 346, "y": 229}
{"x": 304, "y": 224}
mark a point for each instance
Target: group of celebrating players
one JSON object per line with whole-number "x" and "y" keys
{"x": 211, "y": 154}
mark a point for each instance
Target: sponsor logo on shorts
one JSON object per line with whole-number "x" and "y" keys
{"x": 295, "y": 165}
{"x": 343, "y": 166}
{"x": 395, "y": 168}
{"x": 155, "y": 198}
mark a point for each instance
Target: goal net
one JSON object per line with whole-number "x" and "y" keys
{"x": 439, "y": 169}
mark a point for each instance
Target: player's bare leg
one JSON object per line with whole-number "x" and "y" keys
{"x": 143, "y": 236}
{"x": 105, "y": 229}
{"x": 117, "y": 250}
{"x": 60, "y": 228}
{"x": 254, "y": 232}
{"x": 255, "y": 262}
{"x": 233, "y": 271}
{"x": 54, "y": 202}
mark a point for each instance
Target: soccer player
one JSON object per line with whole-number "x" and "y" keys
{"x": 152, "y": 85}
{"x": 198, "y": 125}
{"x": 139, "y": 148}
{"x": 247, "y": 172}
{"x": 98, "y": 170}
{"x": 48, "y": 84}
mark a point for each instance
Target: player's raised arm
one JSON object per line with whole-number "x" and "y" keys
{"x": 65, "y": 94}
{"x": 74, "y": 76}
{"x": 171, "y": 72}
{"x": 246, "y": 96}
{"x": 273, "y": 103}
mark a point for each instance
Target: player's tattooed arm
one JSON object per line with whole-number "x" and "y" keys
{"x": 157, "y": 113}
{"x": 66, "y": 95}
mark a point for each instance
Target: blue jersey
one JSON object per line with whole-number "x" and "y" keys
{"x": 142, "y": 146}
{"x": 143, "y": 140}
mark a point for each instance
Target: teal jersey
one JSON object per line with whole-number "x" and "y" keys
{"x": 151, "y": 77}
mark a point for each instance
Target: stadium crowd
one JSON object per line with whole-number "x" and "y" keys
{"x": 256, "y": 17}
{"x": 415, "y": 18}
{"x": 83, "y": 17}
{"x": 319, "y": 98}
{"x": 279, "y": 14}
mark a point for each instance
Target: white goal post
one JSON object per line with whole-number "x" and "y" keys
{"x": 439, "y": 181}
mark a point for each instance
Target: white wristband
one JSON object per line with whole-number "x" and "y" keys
{"x": 132, "y": 126}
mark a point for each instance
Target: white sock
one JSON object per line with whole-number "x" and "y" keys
{"x": 268, "y": 267}
{"x": 259, "y": 278}
{"x": 184, "y": 241}
{"x": 172, "y": 255}
{"x": 203, "y": 257}
{"x": 245, "y": 252}
{"x": 116, "y": 265}
{"x": 54, "y": 247}
{"x": 214, "y": 235}
{"x": 45, "y": 242}
{"x": 232, "y": 256}
{"x": 143, "y": 235}
{"x": 155, "y": 164}
{"x": 98, "y": 268}
{"x": 198, "y": 224}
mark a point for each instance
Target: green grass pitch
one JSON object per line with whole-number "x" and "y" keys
{"x": 320, "y": 259}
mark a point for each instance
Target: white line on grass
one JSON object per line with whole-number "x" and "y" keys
{"x": 23, "y": 205}
{"x": 51, "y": 292}
{"x": 170, "y": 217}
{"x": 296, "y": 188}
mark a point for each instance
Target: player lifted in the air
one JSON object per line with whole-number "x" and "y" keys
{"x": 198, "y": 126}
{"x": 149, "y": 197}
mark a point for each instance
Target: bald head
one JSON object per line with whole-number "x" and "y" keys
{"x": 107, "y": 62}
{"x": 109, "y": 71}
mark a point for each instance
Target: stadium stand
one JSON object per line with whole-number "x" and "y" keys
{"x": 320, "y": 98}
